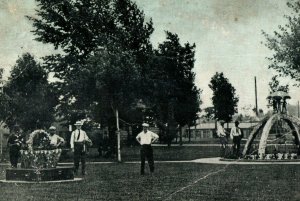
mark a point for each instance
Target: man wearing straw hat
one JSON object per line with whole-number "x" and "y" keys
{"x": 145, "y": 139}
{"x": 79, "y": 141}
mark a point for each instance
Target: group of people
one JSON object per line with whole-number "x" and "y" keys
{"x": 235, "y": 134}
{"x": 16, "y": 141}
{"x": 79, "y": 143}
{"x": 279, "y": 105}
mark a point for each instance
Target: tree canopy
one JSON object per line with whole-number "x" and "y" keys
{"x": 174, "y": 79}
{"x": 285, "y": 44}
{"x": 274, "y": 85}
{"x": 108, "y": 62}
{"x": 111, "y": 31}
{"x": 30, "y": 98}
{"x": 174, "y": 97}
{"x": 224, "y": 97}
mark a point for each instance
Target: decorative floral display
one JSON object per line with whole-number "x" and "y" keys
{"x": 38, "y": 140}
{"x": 275, "y": 156}
{"x": 40, "y": 154}
{"x": 40, "y": 159}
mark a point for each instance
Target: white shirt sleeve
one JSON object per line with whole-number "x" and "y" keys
{"x": 72, "y": 139}
{"x": 138, "y": 137}
{"x": 86, "y": 137}
{"x": 61, "y": 139}
{"x": 154, "y": 136}
{"x": 232, "y": 132}
{"x": 220, "y": 131}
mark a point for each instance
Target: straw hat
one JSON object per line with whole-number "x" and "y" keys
{"x": 78, "y": 123}
{"x": 145, "y": 125}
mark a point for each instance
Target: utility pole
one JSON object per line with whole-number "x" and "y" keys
{"x": 298, "y": 109}
{"x": 1, "y": 134}
{"x": 256, "y": 107}
{"x": 1, "y": 149}
{"x": 118, "y": 135}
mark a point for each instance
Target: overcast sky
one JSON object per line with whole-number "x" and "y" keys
{"x": 227, "y": 34}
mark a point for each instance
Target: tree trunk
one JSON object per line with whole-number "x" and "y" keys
{"x": 118, "y": 136}
{"x": 189, "y": 133}
{"x": 171, "y": 122}
{"x": 180, "y": 135}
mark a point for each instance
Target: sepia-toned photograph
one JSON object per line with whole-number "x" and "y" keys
{"x": 149, "y": 100}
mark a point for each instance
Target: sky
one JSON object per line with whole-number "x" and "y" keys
{"x": 227, "y": 34}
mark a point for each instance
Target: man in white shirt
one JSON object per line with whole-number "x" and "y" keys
{"x": 235, "y": 135}
{"x": 221, "y": 132}
{"x": 79, "y": 141}
{"x": 55, "y": 140}
{"x": 145, "y": 139}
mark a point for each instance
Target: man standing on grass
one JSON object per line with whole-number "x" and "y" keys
{"x": 79, "y": 142}
{"x": 221, "y": 132}
{"x": 236, "y": 136}
{"x": 145, "y": 139}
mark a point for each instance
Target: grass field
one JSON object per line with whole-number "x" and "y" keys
{"x": 171, "y": 181}
{"x": 161, "y": 153}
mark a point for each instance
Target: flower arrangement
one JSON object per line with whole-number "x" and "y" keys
{"x": 40, "y": 154}
{"x": 38, "y": 140}
{"x": 274, "y": 156}
{"x": 40, "y": 159}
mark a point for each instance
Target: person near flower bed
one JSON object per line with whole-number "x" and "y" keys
{"x": 236, "y": 136}
{"x": 145, "y": 139}
{"x": 55, "y": 140}
{"x": 79, "y": 142}
{"x": 15, "y": 141}
{"x": 221, "y": 132}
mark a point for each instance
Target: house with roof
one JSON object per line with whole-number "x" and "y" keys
{"x": 206, "y": 131}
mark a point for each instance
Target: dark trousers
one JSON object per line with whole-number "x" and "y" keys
{"x": 79, "y": 155}
{"x": 236, "y": 145}
{"x": 147, "y": 152}
{"x": 13, "y": 157}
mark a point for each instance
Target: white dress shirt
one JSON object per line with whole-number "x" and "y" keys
{"x": 74, "y": 137}
{"x": 235, "y": 131}
{"x": 146, "y": 137}
{"x": 55, "y": 139}
{"x": 221, "y": 131}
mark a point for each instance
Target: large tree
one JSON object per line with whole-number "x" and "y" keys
{"x": 30, "y": 98}
{"x": 177, "y": 99}
{"x": 224, "y": 97}
{"x": 4, "y": 100}
{"x": 285, "y": 44}
{"x": 106, "y": 30}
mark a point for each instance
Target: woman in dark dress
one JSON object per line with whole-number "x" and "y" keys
{"x": 14, "y": 143}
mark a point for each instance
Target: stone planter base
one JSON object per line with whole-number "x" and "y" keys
{"x": 37, "y": 175}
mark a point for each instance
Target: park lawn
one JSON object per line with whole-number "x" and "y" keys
{"x": 172, "y": 181}
{"x": 161, "y": 153}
